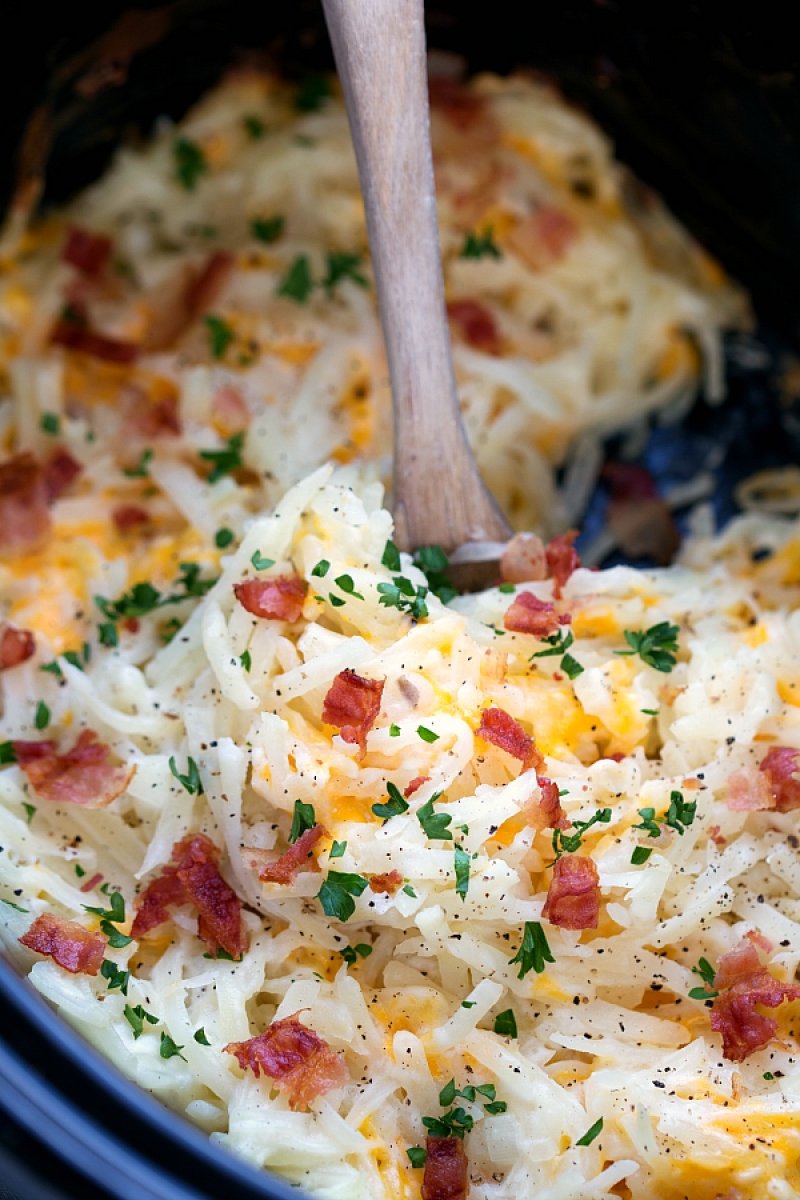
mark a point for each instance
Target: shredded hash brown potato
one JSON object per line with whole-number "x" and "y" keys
{"x": 393, "y": 892}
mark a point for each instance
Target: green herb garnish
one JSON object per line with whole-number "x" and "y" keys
{"x": 505, "y": 1023}
{"x": 267, "y": 229}
{"x": 478, "y": 245}
{"x": 190, "y": 162}
{"x": 297, "y": 283}
{"x": 534, "y": 952}
{"x": 224, "y": 462}
{"x": 462, "y": 861}
{"x": 434, "y": 824}
{"x": 657, "y": 646}
{"x": 191, "y": 780}
{"x": 303, "y": 818}
{"x": 591, "y": 1133}
{"x": 336, "y": 894}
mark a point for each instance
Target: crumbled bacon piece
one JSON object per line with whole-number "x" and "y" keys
{"x": 352, "y": 704}
{"x": 445, "y": 1174}
{"x": 543, "y": 238}
{"x": 130, "y": 516}
{"x": 67, "y": 943}
{"x": 300, "y": 1062}
{"x": 229, "y": 410}
{"x": 92, "y": 882}
{"x": 414, "y": 785}
{"x": 748, "y": 790}
{"x": 204, "y": 288}
{"x": 74, "y": 332}
{"x": 298, "y": 857}
{"x": 744, "y": 982}
{"x": 499, "y": 728}
{"x": 523, "y": 559}
{"x": 781, "y": 765}
{"x": 193, "y": 877}
{"x": 24, "y": 517}
{"x": 87, "y": 251}
{"x": 16, "y": 645}
{"x": 475, "y": 324}
{"x": 388, "y": 883}
{"x": 548, "y": 810}
{"x": 60, "y": 471}
{"x": 562, "y": 558}
{"x": 573, "y": 898}
{"x": 150, "y": 412}
{"x": 528, "y": 614}
{"x": 84, "y": 775}
{"x": 279, "y": 598}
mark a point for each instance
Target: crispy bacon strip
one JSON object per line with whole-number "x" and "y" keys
{"x": 67, "y": 943}
{"x": 84, "y": 775}
{"x": 744, "y": 982}
{"x": 203, "y": 290}
{"x": 60, "y": 471}
{"x": 499, "y": 727}
{"x": 445, "y": 1174}
{"x": 781, "y": 765}
{"x": 476, "y": 325}
{"x": 573, "y": 898}
{"x": 130, "y": 516}
{"x": 523, "y": 559}
{"x": 73, "y": 332}
{"x": 562, "y": 559}
{"x": 16, "y": 645}
{"x": 24, "y": 517}
{"x": 300, "y": 1062}
{"x": 87, "y": 251}
{"x": 388, "y": 883}
{"x": 193, "y": 877}
{"x": 548, "y": 812}
{"x": 352, "y": 704}
{"x": 414, "y": 785}
{"x": 298, "y": 857}
{"x": 528, "y": 614}
{"x": 749, "y": 790}
{"x": 277, "y": 599}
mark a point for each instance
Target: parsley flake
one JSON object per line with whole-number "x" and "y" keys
{"x": 246, "y": 659}
{"x": 417, "y": 1155}
{"x": 267, "y": 229}
{"x": 391, "y": 556}
{"x": 220, "y": 335}
{"x": 505, "y": 1023}
{"x": 433, "y": 563}
{"x": 7, "y": 753}
{"x": 591, "y": 1133}
{"x": 254, "y": 126}
{"x": 42, "y": 716}
{"x": 223, "y": 537}
{"x": 30, "y": 811}
{"x": 351, "y": 954}
{"x": 342, "y": 265}
{"x": 571, "y": 667}
{"x": 427, "y": 735}
{"x": 409, "y": 891}
{"x": 115, "y": 977}
{"x": 640, "y": 855}
{"x": 394, "y": 730}
{"x": 534, "y": 951}
{"x": 656, "y": 646}
{"x": 568, "y": 843}
{"x": 478, "y": 245}
{"x": 260, "y": 561}
{"x": 136, "y": 1018}
{"x": 707, "y": 973}
{"x": 50, "y": 423}
{"x": 11, "y": 904}
{"x": 336, "y": 894}
{"x": 434, "y": 824}
{"x": 191, "y": 780}
{"x": 297, "y": 283}
{"x": 402, "y": 595}
{"x": 462, "y": 861}
{"x": 312, "y": 93}
{"x": 141, "y": 470}
{"x": 190, "y": 162}
{"x": 338, "y": 849}
{"x": 394, "y": 806}
{"x": 321, "y": 569}
{"x": 345, "y": 583}
{"x": 199, "y": 1036}
{"x": 303, "y": 818}
{"x": 224, "y": 462}
{"x": 168, "y": 1049}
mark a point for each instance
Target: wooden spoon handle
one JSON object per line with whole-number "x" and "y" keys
{"x": 379, "y": 47}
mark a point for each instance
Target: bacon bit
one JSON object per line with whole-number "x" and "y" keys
{"x": 499, "y": 728}
{"x": 16, "y": 646}
{"x": 229, "y": 410}
{"x": 415, "y": 784}
{"x": 388, "y": 883}
{"x": 74, "y": 333}
{"x": 60, "y": 471}
{"x": 562, "y": 559}
{"x": 780, "y": 766}
{"x": 748, "y": 790}
{"x": 300, "y": 1062}
{"x": 151, "y": 412}
{"x": 716, "y": 836}
{"x": 352, "y": 704}
{"x": 208, "y": 283}
{"x": 298, "y": 857}
{"x": 573, "y": 898}
{"x": 543, "y": 238}
{"x": 638, "y": 517}
{"x": 92, "y": 882}
{"x": 193, "y": 877}
{"x": 84, "y": 775}
{"x": 743, "y": 982}
{"x": 87, "y": 251}
{"x": 277, "y": 599}
{"x": 24, "y": 519}
{"x": 130, "y": 516}
{"x": 476, "y": 325}
{"x": 446, "y": 1166}
{"x": 67, "y": 943}
{"x": 547, "y": 811}
{"x": 523, "y": 559}
{"x": 529, "y": 614}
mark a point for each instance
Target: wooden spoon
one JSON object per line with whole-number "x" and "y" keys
{"x": 439, "y": 496}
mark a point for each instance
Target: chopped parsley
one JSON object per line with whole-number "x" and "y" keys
{"x": 679, "y": 816}
{"x": 505, "y": 1023}
{"x": 223, "y": 537}
{"x": 260, "y": 562}
{"x": 404, "y": 596}
{"x": 394, "y": 730}
{"x": 111, "y": 917}
{"x": 303, "y": 818}
{"x": 225, "y": 462}
{"x": 409, "y": 891}
{"x": 534, "y": 952}
{"x": 708, "y": 975}
{"x": 571, "y": 667}
{"x": 246, "y": 659}
{"x": 107, "y": 633}
{"x": 136, "y": 1018}
{"x": 351, "y": 954}
{"x": 417, "y": 1155}
{"x": 7, "y": 754}
{"x": 74, "y": 657}
{"x": 338, "y": 849}
{"x": 115, "y": 977}
{"x": 557, "y": 643}
{"x": 220, "y": 335}
{"x": 427, "y": 735}
{"x": 79, "y": 871}
{"x": 267, "y": 229}
{"x": 336, "y": 601}
{"x": 168, "y": 1049}
{"x": 568, "y": 843}
{"x": 462, "y": 861}
{"x": 336, "y": 894}
{"x": 199, "y": 1036}
{"x": 391, "y": 556}
{"x": 591, "y": 1133}
{"x": 190, "y": 162}
{"x": 297, "y": 283}
{"x": 41, "y": 717}
{"x": 320, "y": 570}
{"x": 11, "y": 904}
{"x": 435, "y": 825}
{"x": 312, "y": 93}
{"x": 345, "y": 583}
{"x": 648, "y": 822}
{"x": 30, "y": 811}
{"x": 254, "y": 126}
{"x": 478, "y": 245}
{"x": 224, "y": 955}
{"x": 454, "y": 1123}
{"x": 191, "y": 780}
{"x": 50, "y": 423}
{"x": 640, "y": 855}
{"x": 394, "y": 806}
{"x": 142, "y": 468}
{"x": 343, "y": 265}
{"x": 433, "y": 563}
{"x": 656, "y": 646}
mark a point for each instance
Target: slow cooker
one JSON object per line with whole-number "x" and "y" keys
{"x": 701, "y": 100}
